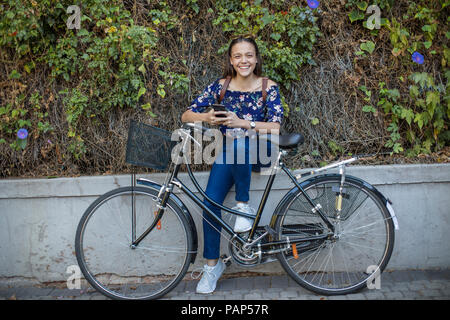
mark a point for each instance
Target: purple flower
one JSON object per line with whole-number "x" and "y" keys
{"x": 22, "y": 134}
{"x": 417, "y": 57}
{"x": 313, "y": 3}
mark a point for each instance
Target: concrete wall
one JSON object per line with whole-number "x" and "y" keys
{"x": 39, "y": 217}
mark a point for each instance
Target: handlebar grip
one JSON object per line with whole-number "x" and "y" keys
{"x": 192, "y": 125}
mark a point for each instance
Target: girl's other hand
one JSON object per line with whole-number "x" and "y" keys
{"x": 212, "y": 119}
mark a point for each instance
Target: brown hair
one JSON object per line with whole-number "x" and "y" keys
{"x": 228, "y": 68}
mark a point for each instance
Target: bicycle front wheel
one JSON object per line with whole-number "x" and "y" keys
{"x": 118, "y": 270}
{"x": 345, "y": 261}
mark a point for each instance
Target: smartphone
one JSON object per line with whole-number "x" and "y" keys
{"x": 219, "y": 107}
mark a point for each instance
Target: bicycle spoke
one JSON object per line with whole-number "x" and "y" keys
{"x": 358, "y": 245}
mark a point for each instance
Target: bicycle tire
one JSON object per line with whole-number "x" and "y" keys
{"x": 112, "y": 266}
{"x": 344, "y": 264}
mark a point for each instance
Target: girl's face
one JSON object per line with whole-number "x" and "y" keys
{"x": 243, "y": 58}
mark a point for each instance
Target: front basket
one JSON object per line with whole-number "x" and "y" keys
{"x": 148, "y": 146}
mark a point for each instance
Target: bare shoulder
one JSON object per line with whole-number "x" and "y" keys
{"x": 271, "y": 83}
{"x": 222, "y": 81}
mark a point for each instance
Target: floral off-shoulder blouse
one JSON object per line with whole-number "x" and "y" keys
{"x": 246, "y": 105}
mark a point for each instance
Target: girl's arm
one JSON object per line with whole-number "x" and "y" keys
{"x": 233, "y": 121}
{"x": 191, "y": 116}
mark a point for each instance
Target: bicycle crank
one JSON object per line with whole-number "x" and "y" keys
{"x": 245, "y": 257}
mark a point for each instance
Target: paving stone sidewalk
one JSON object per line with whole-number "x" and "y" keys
{"x": 396, "y": 285}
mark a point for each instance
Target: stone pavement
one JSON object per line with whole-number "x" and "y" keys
{"x": 395, "y": 285}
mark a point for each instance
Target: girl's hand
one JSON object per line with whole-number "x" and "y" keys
{"x": 233, "y": 121}
{"x": 211, "y": 118}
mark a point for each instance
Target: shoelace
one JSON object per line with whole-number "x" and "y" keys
{"x": 251, "y": 210}
{"x": 245, "y": 208}
{"x": 202, "y": 270}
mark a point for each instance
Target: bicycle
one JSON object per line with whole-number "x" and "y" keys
{"x": 331, "y": 233}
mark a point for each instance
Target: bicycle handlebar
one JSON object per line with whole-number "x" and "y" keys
{"x": 193, "y": 125}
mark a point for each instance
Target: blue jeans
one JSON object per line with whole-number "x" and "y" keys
{"x": 223, "y": 175}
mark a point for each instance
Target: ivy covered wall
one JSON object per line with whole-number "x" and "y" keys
{"x": 355, "y": 76}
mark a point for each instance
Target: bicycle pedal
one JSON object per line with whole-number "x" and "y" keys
{"x": 226, "y": 260}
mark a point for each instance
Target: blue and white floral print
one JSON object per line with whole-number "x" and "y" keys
{"x": 247, "y": 105}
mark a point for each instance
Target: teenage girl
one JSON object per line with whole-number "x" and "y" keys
{"x": 252, "y": 103}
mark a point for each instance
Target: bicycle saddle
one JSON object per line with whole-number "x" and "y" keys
{"x": 290, "y": 140}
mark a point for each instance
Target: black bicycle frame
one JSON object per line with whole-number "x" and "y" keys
{"x": 173, "y": 180}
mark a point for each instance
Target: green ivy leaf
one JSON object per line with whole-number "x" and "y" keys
{"x": 368, "y": 46}
{"x": 387, "y": 106}
{"x": 14, "y": 74}
{"x": 427, "y": 44}
{"x": 368, "y": 108}
{"x": 142, "y": 69}
{"x": 422, "y": 78}
{"x": 362, "y": 5}
{"x": 267, "y": 19}
{"x": 396, "y": 51}
{"x": 407, "y": 114}
{"x": 82, "y": 32}
{"x": 394, "y": 94}
{"x": 142, "y": 91}
{"x": 161, "y": 91}
{"x": 146, "y": 106}
{"x": 275, "y": 36}
{"x": 410, "y": 135}
{"x": 419, "y": 120}
{"x": 22, "y": 143}
{"x": 389, "y": 144}
{"x": 397, "y": 148}
{"x": 414, "y": 91}
{"x": 432, "y": 101}
{"x": 151, "y": 114}
{"x": 356, "y": 15}
{"x": 426, "y": 28}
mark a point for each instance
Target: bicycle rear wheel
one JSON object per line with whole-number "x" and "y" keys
{"x": 112, "y": 266}
{"x": 361, "y": 245}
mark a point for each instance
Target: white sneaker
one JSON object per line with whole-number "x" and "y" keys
{"x": 208, "y": 282}
{"x": 243, "y": 224}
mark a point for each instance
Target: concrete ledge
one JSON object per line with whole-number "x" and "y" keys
{"x": 94, "y": 186}
{"x": 38, "y": 217}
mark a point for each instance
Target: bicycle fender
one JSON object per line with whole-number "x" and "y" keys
{"x": 303, "y": 184}
{"x": 183, "y": 208}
